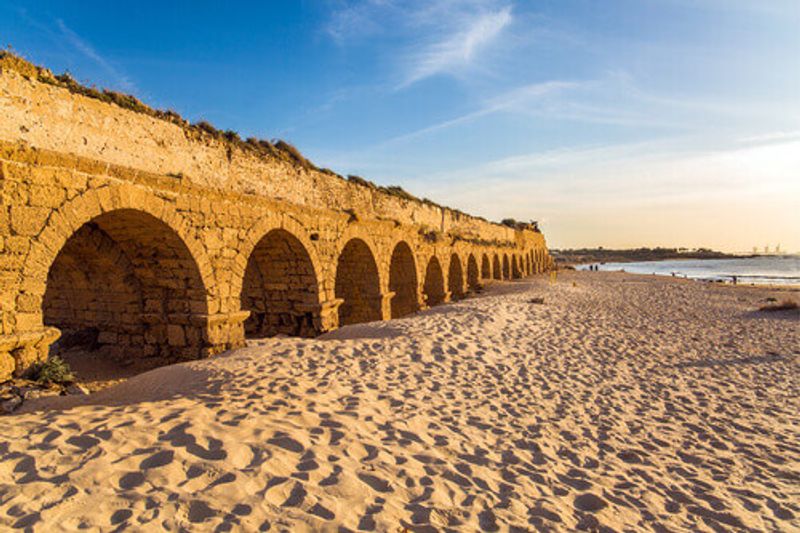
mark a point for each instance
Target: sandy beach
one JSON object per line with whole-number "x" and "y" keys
{"x": 621, "y": 402}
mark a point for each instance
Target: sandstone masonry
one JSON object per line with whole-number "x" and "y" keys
{"x": 147, "y": 240}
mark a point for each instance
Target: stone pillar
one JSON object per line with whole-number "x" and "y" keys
{"x": 20, "y": 351}
{"x": 329, "y": 314}
{"x": 386, "y": 305}
{"x": 446, "y": 297}
{"x": 222, "y": 331}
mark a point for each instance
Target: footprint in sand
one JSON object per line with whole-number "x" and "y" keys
{"x": 120, "y": 516}
{"x": 322, "y": 512}
{"x": 287, "y": 443}
{"x": 590, "y": 502}
{"x": 375, "y": 483}
{"x": 296, "y": 497}
{"x": 199, "y": 511}
{"x": 157, "y": 460}
{"x": 131, "y": 480}
{"x": 84, "y": 442}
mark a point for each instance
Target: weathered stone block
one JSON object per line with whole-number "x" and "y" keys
{"x": 28, "y": 303}
{"x": 26, "y": 356}
{"x": 176, "y": 335}
{"x": 107, "y": 337}
{"x": 46, "y": 196}
{"x": 7, "y": 366}
{"x": 26, "y": 220}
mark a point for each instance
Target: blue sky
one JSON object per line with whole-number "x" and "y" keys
{"x": 615, "y": 123}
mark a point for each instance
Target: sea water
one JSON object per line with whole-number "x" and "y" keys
{"x": 773, "y": 270}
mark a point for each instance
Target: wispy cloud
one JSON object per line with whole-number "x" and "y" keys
{"x": 357, "y": 19}
{"x": 458, "y": 49}
{"x": 509, "y": 101}
{"x": 772, "y": 136}
{"x": 634, "y": 136}
{"x": 430, "y": 37}
{"x": 85, "y": 49}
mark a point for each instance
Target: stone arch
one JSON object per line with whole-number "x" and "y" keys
{"x": 380, "y": 255}
{"x": 486, "y": 267}
{"x": 280, "y": 288}
{"x": 497, "y": 271}
{"x": 357, "y": 284}
{"x": 403, "y": 281}
{"x": 433, "y": 287}
{"x": 62, "y": 224}
{"x": 506, "y": 267}
{"x": 126, "y": 286}
{"x": 255, "y": 235}
{"x": 455, "y": 278}
{"x": 473, "y": 273}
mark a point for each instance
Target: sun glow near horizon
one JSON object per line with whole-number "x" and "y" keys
{"x": 628, "y": 197}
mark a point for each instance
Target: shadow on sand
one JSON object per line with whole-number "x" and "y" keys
{"x": 789, "y": 314}
{"x": 180, "y": 381}
{"x": 752, "y": 360}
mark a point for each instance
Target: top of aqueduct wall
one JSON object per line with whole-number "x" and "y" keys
{"x": 49, "y": 116}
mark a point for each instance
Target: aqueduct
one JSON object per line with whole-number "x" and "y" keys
{"x": 144, "y": 239}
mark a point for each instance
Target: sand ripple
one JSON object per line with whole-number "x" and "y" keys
{"x": 621, "y": 402}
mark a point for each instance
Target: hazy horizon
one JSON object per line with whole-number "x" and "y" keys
{"x": 669, "y": 123}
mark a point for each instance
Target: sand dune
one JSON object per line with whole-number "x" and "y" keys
{"x": 621, "y": 402}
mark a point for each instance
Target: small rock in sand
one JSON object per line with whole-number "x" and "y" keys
{"x": 76, "y": 388}
{"x": 10, "y": 404}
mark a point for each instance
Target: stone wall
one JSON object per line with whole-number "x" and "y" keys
{"x": 139, "y": 238}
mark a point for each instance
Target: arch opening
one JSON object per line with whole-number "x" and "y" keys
{"x": 486, "y": 267}
{"x": 473, "y": 275}
{"x": 506, "y": 267}
{"x": 433, "y": 288}
{"x": 127, "y": 295}
{"x": 515, "y": 267}
{"x": 280, "y": 288}
{"x": 455, "y": 278}
{"x": 357, "y": 284}
{"x": 403, "y": 281}
{"x": 496, "y": 270}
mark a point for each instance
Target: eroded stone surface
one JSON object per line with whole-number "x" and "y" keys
{"x": 129, "y": 237}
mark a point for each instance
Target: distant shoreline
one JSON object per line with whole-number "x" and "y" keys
{"x": 753, "y": 269}
{"x": 638, "y": 255}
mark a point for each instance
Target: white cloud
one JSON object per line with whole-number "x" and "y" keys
{"x": 358, "y": 19}
{"x": 458, "y": 49}
{"x": 430, "y": 37}
{"x": 509, "y": 101}
{"x": 772, "y": 136}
